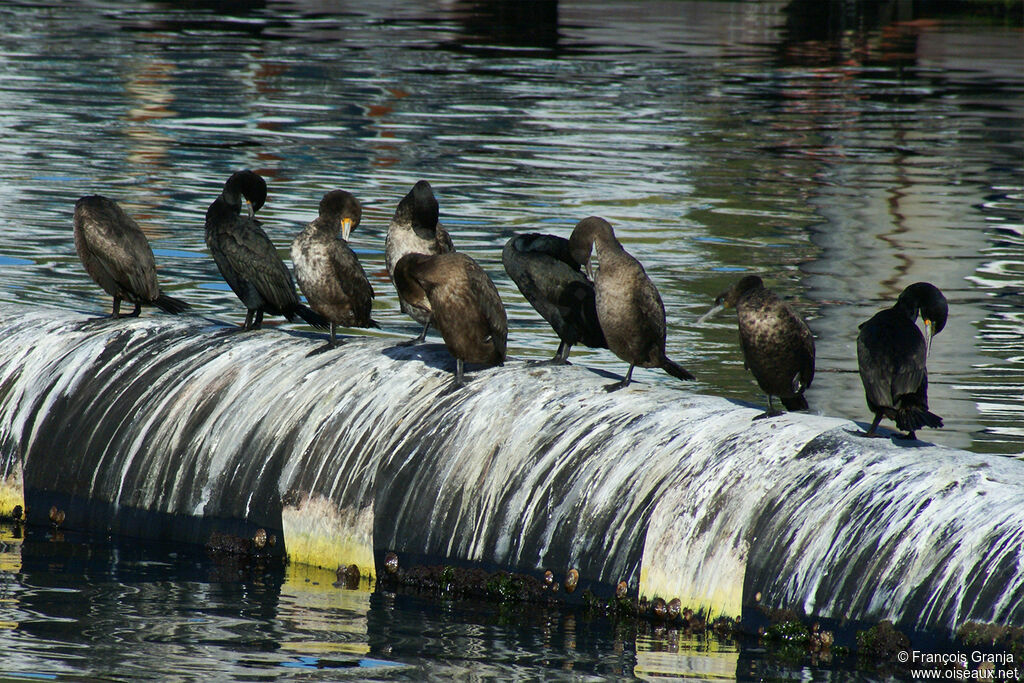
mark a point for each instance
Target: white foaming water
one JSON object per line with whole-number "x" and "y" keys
{"x": 365, "y": 448}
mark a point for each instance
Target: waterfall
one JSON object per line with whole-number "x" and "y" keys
{"x": 175, "y": 427}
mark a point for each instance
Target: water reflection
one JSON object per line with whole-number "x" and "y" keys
{"x": 81, "y": 607}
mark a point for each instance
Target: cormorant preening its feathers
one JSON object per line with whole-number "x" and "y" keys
{"x": 545, "y": 272}
{"x": 246, "y": 257}
{"x": 465, "y": 305}
{"x": 892, "y": 354}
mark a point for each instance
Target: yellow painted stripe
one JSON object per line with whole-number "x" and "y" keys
{"x": 12, "y": 492}
{"x": 319, "y": 534}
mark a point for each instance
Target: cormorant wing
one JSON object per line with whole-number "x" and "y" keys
{"x": 444, "y": 240}
{"x": 123, "y": 251}
{"x": 649, "y": 303}
{"x": 255, "y": 259}
{"x": 490, "y": 305}
{"x": 805, "y": 340}
{"x": 348, "y": 272}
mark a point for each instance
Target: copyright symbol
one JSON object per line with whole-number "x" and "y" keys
{"x": 903, "y": 656}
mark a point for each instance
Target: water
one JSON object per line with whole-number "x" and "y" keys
{"x": 840, "y": 156}
{"x": 83, "y": 607}
{"x": 78, "y": 608}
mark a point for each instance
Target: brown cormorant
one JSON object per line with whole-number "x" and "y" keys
{"x": 117, "y": 255}
{"x": 248, "y": 259}
{"x": 415, "y": 229}
{"x": 778, "y": 347}
{"x": 552, "y": 281}
{"x": 465, "y": 305}
{"x": 892, "y": 354}
{"x": 328, "y": 271}
{"x": 629, "y": 308}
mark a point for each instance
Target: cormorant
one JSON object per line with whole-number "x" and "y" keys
{"x": 553, "y": 282}
{"x": 248, "y": 259}
{"x": 892, "y": 354}
{"x": 117, "y": 255}
{"x": 415, "y": 229}
{"x": 465, "y": 305}
{"x": 629, "y": 308}
{"x": 328, "y": 271}
{"x": 778, "y": 347}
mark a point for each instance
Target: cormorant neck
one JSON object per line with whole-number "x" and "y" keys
{"x": 907, "y": 307}
{"x": 221, "y": 210}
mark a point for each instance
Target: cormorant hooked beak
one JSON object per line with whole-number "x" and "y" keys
{"x": 590, "y": 272}
{"x": 714, "y": 309}
{"x": 929, "y": 328}
{"x": 346, "y": 228}
{"x": 252, "y": 213}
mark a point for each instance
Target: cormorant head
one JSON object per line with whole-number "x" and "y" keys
{"x": 339, "y": 205}
{"x": 249, "y": 185}
{"x": 731, "y": 296}
{"x": 421, "y": 207}
{"x": 581, "y": 241}
{"x": 406, "y": 278}
{"x": 926, "y": 299}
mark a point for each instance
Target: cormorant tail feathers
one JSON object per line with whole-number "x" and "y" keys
{"x": 169, "y": 304}
{"x": 911, "y": 415}
{"x": 675, "y": 369}
{"x": 312, "y": 317}
{"x": 797, "y": 402}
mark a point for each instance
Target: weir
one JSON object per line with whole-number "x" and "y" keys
{"x": 178, "y": 428}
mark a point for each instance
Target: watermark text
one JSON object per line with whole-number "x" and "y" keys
{"x": 961, "y": 666}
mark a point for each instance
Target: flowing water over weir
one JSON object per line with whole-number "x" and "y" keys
{"x": 178, "y": 428}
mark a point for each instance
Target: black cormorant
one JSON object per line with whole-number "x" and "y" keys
{"x": 117, "y": 255}
{"x": 553, "y": 282}
{"x": 778, "y": 347}
{"x": 892, "y": 354}
{"x": 629, "y": 308}
{"x": 327, "y": 269}
{"x": 248, "y": 259}
{"x": 415, "y": 229}
{"x": 465, "y": 305}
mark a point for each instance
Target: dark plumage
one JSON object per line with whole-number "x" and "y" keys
{"x": 465, "y": 305}
{"x": 415, "y": 229}
{"x": 117, "y": 255}
{"x": 551, "y": 280}
{"x": 248, "y": 259}
{"x": 629, "y": 308}
{"x": 892, "y": 354}
{"x": 328, "y": 271}
{"x": 778, "y": 347}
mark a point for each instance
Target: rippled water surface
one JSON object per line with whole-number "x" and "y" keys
{"x": 74, "y": 608}
{"x": 841, "y": 153}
